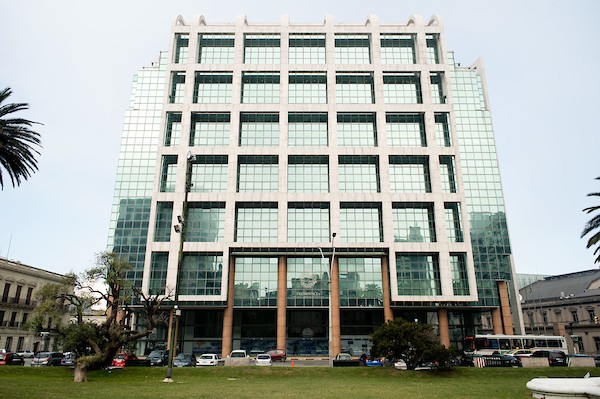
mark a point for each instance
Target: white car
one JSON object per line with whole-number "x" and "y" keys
{"x": 25, "y": 354}
{"x": 264, "y": 359}
{"x": 238, "y": 353}
{"x": 210, "y": 359}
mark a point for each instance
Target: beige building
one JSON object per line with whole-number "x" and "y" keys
{"x": 567, "y": 305}
{"x": 19, "y": 284}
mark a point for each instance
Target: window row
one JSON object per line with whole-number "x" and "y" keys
{"x": 307, "y": 129}
{"x": 307, "y": 48}
{"x": 311, "y": 173}
{"x": 309, "y": 222}
{"x": 308, "y": 279}
{"x": 308, "y": 88}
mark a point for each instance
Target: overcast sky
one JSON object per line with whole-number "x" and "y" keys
{"x": 73, "y": 62}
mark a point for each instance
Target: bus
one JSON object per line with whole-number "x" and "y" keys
{"x": 488, "y": 344}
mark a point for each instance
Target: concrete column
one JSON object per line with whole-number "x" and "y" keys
{"x": 335, "y": 307}
{"x": 497, "y": 321}
{"x": 228, "y": 314}
{"x": 505, "y": 307}
{"x": 281, "y": 302}
{"x": 388, "y": 315}
{"x": 442, "y": 315}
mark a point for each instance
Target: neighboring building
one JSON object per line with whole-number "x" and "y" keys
{"x": 19, "y": 284}
{"x": 568, "y": 305}
{"x": 252, "y": 153}
{"x": 524, "y": 279}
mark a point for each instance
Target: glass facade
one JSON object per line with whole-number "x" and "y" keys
{"x": 279, "y": 156}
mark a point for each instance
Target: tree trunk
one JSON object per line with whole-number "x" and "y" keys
{"x": 80, "y": 372}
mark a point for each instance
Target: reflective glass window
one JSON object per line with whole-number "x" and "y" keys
{"x": 308, "y": 174}
{"x": 402, "y": 88}
{"x": 216, "y": 48}
{"x": 213, "y": 87}
{"x": 442, "y": 130}
{"x": 413, "y": 222}
{"x": 259, "y": 130}
{"x": 460, "y": 279}
{"x": 354, "y": 88}
{"x": 255, "y": 282}
{"x": 307, "y": 88}
{"x": 360, "y": 282}
{"x": 307, "y": 282}
{"x": 210, "y": 129}
{"x": 433, "y": 56}
{"x": 258, "y": 173}
{"x": 182, "y": 41}
{"x": 262, "y": 49}
{"x": 159, "y": 263}
{"x": 447, "y": 173}
{"x": 437, "y": 88}
{"x": 256, "y": 222}
{"x": 209, "y": 174}
{"x": 453, "y": 222}
{"x": 418, "y": 274}
{"x": 307, "y": 130}
{"x": 352, "y": 49}
{"x": 164, "y": 221}
{"x": 306, "y": 49}
{"x": 168, "y": 173}
{"x": 308, "y": 222}
{"x": 177, "y": 93}
{"x": 398, "y": 49}
{"x": 406, "y": 130}
{"x": 173, "y": 130}
{"x": 201, "y": 273}
{"x": 205, "y": 222}
{"x": 356, "y": 130}
{"x": 359, "y": 174}
{"x": 409, "y": 174}
{"x": 360, "y": 222}
{"x": 260, "y": 88}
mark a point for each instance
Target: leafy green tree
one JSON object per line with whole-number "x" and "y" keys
{"x": 593, "y": 226}
{"x": 97, "y": 344}
{"x": 17, "y": 141}
{"x": 416, "y": 343}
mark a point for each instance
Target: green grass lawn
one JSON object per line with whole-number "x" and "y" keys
{"x": 276, "y": 382}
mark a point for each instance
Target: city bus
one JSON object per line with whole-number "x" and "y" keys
{"x": 488, "y": 344}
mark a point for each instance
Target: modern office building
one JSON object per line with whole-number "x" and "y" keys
{"x": 296, "y": 185}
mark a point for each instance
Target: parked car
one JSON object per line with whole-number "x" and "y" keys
{"x": 519, "y": 353}
{"x": 68, "y": 359}
{"x": 47, "y": 359}
{"x": 278, "y": 355}
{"x": 555, "y": 358}
{"x": 27, "y": 354}
{"x": 263, "y": 359}
{"x": 510, "y": 361}
{"x": 11, "y": 359}
{"x": 238, "y": 353}
{"x": 345, "y": 360}
{"x": 185, "y": 360}
{"x": 210, "y": 359}
{"x": 158, "y": 357}
{"x": 374, "y": 363}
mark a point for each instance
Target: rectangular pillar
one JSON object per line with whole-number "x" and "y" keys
{"x": 281, "y": 303}
{"x": 388, "y": 315}
{"x": 497, "y": 321}
{"x": 442, "y": 315}
{"x": 227, "y": 338}
{"x": 335, "y": 308}
{"x": 505, "y": 308}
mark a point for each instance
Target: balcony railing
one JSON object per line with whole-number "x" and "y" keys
{"x": 13, "y": 301}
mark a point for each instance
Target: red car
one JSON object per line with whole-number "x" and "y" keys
{"x": 123, "y": 359}
{"x": 11, "y": 359}
{"x": 277, "y": 354}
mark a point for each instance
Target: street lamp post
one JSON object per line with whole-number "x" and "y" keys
{"x": 330, "y": 310}
{"x": 179, "y": 228}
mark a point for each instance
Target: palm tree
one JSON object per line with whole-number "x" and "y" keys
{"x": 17, "y": 155}
{"x": 593, "y": 226}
